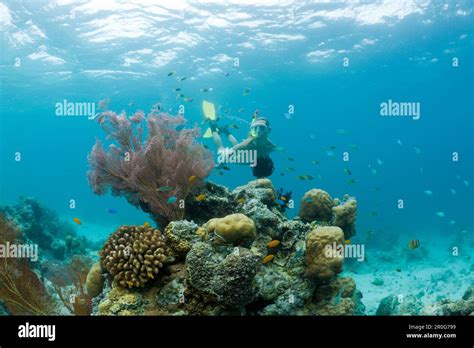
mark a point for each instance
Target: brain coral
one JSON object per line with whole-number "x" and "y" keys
{"x": 236, "y": 229}
{"x": 344, "y": 216}
{"x": 316, "y": 204}
{"x": 318, "y": 265}
{"x": 133, "y": 255}
{"x": 94, "y": 280}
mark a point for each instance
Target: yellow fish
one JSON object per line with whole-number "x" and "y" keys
{"x": 413, "y": 244}
{"x": 267, "y": 259}
{"x": 201, "y": 197}
{"x": 192, "y": 178}
{"x": 146, "y": 224}
{"x": 283, "y": 198}
{"x": 77, "y": 221}
{"x": 241, "y": 200}
{"x": 347, "y": 241}
{"x": 273, "y": 244}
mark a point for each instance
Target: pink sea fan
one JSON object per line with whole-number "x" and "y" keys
{"x": 150, "y": 159}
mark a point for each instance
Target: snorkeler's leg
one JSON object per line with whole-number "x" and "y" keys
{"x": 217, "y": 140}
{"x": 232, "y": 139}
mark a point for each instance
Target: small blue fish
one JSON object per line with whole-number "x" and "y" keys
{"x": 171, "y": 200}
{"x": 338, "y": 297}
{"x": 112, "y": 211}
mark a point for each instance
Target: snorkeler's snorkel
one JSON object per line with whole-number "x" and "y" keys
{"x": 259, "y": 127}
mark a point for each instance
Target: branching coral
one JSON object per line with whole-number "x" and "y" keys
{"x": 139, "y": 164}
{"x": 133, "y": 255}
{"x": 21, "y": 291}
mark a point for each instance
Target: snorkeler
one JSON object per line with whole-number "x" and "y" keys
{"x": 257, "y": 140}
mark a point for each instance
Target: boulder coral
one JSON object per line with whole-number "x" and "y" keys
{"x": 229, "y": 276}
{"x": 133, "y": 255}
{"x": 344, "y": 216}
{"x": 317, "y": 205}
{"x": 319, "y": 265}
{"x": 180, "y": 235}
{"x": 235, "y": 229}
{"x": 94, "y": 280}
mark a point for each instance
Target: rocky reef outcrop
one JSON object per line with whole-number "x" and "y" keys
{"x": 236, "y": 253}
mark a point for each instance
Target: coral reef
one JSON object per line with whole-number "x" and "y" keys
{"x": 395, "y": 305}
{"x": 94, "y": 280}
{"x": 463, "y": 306}
{"x": 230, "y": 277}
{"x": 133, "y": 255}
{"x": 40, "y": 225}
{"x": 180, "y": 235}
{"x": 320, "y": 265}
{"x": 235, "y": 229}
{"x": 149, "y": 166}
{"x": 317, "y": 205}
{"x": 344, "y": 216}
{"x": 217, "y": 262}
{"x": 21, "y": 290}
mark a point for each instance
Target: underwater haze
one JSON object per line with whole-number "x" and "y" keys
{"x": 373, "y": 99}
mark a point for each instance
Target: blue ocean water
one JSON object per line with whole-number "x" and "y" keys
{"x": 289, "y": 53}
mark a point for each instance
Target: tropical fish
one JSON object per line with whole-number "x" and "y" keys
{"x": 347, "y": 241}
{"x": 177, "y": 89}
{"x": 224, "y": 167}
{"x": 413, "y": 244}
{"x": 332, "y": 147}
{"x": 273, "y": 244}
{"x": 315, "y": 162}
{"x": 226, "y": 74}
{"x": 182, "y": 78}
{"x": 283, "y": 198}
{"x": 347, "y": 171}
{"x": 241, "y": 200}
{"x": 466, "y": 183}
{"x": 351, "y": 181}
{"x": 112, "y": 211}
{"x": 440, "y": 214}
{"x": 267, "y": 259}
{"x": 77, "y": 221}
{"x": 201, "y": 197}
{"x": 379, "y": 162}
{"x": 180, "y": 128}
{"x": 453, "y": 191}
{"x": 188, "y": 99}
{"x": 146, "y": 224}
{"x": 309, "y": 177}
{"x": 234, "y": 126}
{"x": 192, "y": 178}
{"x": 246, "y": 92}
{"x": 452, "y": 222}
{"x": 399, "y": 142}
{"x": 171, "y": 200}
{"x": 353, "y": 146}
{"x": 164, "y": 188}
{"x": 417, "y": 150}
{"x": 291, "y": 159}
{"x": 398, "y": 270}
{"x": 299, "y": 252}
{"x": 290, "y": 169}
{"x": 221, "y": 173}
{"x": 338, "y": 296}
{"x": 330, "y": 153}
{"x": 280, "y": 149}
{"x": 171, "y": 73}
{"x": 428, "y": 192}
{"x": 301, "y": 177}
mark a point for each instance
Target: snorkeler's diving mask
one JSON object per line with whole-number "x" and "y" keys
{"x": 259, "y": 127}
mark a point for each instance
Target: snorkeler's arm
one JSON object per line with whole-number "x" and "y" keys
{"x": 242, "y": 145}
